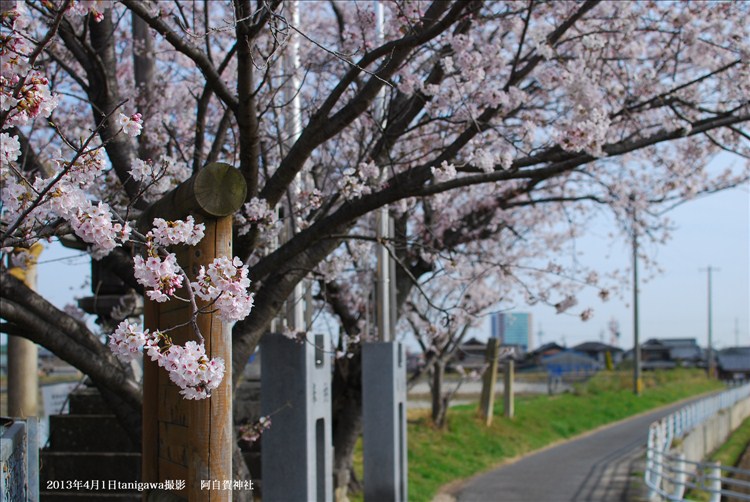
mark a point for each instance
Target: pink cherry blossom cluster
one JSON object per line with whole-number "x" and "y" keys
{"x": 168, "y": 233}
{"x": 257, "y": 212}
{"x": 355, "y": 183}
{"x": 189, "y": 367}
{"x": 131, "y": 125}
{"x": 93, "y": 224}
{"x": 10, "y": 149}
{"x": 94, "y": 7}
{"x": 163, "y": 276}
{"x": 160, "y": 176}
{"x": 32, "y": 100}
{"x": 306, "y": 203}
{"x": 225, "y": 284}
{"x": 127, "y": 341}
{"x": 252, "y": 432}
{"x": 444, "y": 172}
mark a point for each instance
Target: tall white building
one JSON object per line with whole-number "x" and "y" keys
{"x": 512, "y": 328}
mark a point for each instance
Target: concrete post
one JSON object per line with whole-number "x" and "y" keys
{"x": 508, "y": 397}
{"x": 487, "y": 401}
{"x": 23, "y": 379}
{"x": 384, "y": 422}
{"x": 297, "y": 451}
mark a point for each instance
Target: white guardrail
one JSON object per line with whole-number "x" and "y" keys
{"x": 669, "y": 475}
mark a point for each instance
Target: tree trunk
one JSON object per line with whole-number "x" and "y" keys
{"x": 240, "y": 472}
{"x": 439, "y": 403}
{"x": 347, "y": 420}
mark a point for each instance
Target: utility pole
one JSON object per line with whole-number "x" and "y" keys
{"x": 736, "y": 332}
{"x": 540, "y": 335}
{"x": 711, "y": 364}
{"x": 383, "y": 361}
{"x": 297, "y": 307}
{"x": 636, "y": 328}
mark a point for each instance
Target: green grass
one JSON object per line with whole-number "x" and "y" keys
{"x": 466, "y": 447}
{"x": 728, "y": 454}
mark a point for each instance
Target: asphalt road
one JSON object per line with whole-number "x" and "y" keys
{"x": 592, "y": 468}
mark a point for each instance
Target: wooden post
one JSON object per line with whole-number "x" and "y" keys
{"x": 487, "y": 402}
{"x": 187, "y": 440}
{"x": 508, "y": 394}
{"x": 23, "y": 376}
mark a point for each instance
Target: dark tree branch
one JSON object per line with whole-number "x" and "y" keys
{"x": 213, "y": 78}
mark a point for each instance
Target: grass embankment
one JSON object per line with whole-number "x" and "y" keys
{"x": 466, "y": 447}
{"x": 727, "y": 454}
{"x": 730, "y": 452}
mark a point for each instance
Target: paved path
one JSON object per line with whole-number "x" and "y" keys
{"x": 593, "y": 468}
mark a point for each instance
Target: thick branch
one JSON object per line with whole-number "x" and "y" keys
{"x": 66, "y": 338}
{"x": 194, "y": 53}
{"x": 322, "y": 127}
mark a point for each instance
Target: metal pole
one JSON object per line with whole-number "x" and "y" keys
{"x": 383, "y": 225}
{"x": 710, "y": 330}
{"x": 384, "y": 364}
{"x": 711, "y": 366}
{"x": 636, "y": 334}
{"x": 293, "y": 124}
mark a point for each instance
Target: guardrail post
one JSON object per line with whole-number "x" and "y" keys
{"x": 714, "y": 481}
{"x": 650, "y": 467}
{"x": 659, "y": 454}
{"x": 679, "y": 481}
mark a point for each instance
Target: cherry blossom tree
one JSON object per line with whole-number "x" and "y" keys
{"x": 503, "y": 123}
{"x": 440, "y": 313}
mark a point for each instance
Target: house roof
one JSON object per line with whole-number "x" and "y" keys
{"x": 546, "y": 347}
{"x": 671, "y": 342}
{"x": 596, "y": 347}
{"x": 474, "y": 341}
{"x": 683, "y": 353}
{"x": 735, "y": 359}
{"x": 571, "y": 360}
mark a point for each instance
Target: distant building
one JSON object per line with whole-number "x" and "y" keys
{"x": 667, "y": 353}
{"x": 672, "y": 351}
{"x": 512, "y": 329}
{"x": 734, "y": 363}
{"x": 470, "y": 354}
{"x": 599, "y": 351}
{"x": 571, "y": 364}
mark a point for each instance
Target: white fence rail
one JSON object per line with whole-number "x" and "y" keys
{"x": 669, "y": 474}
